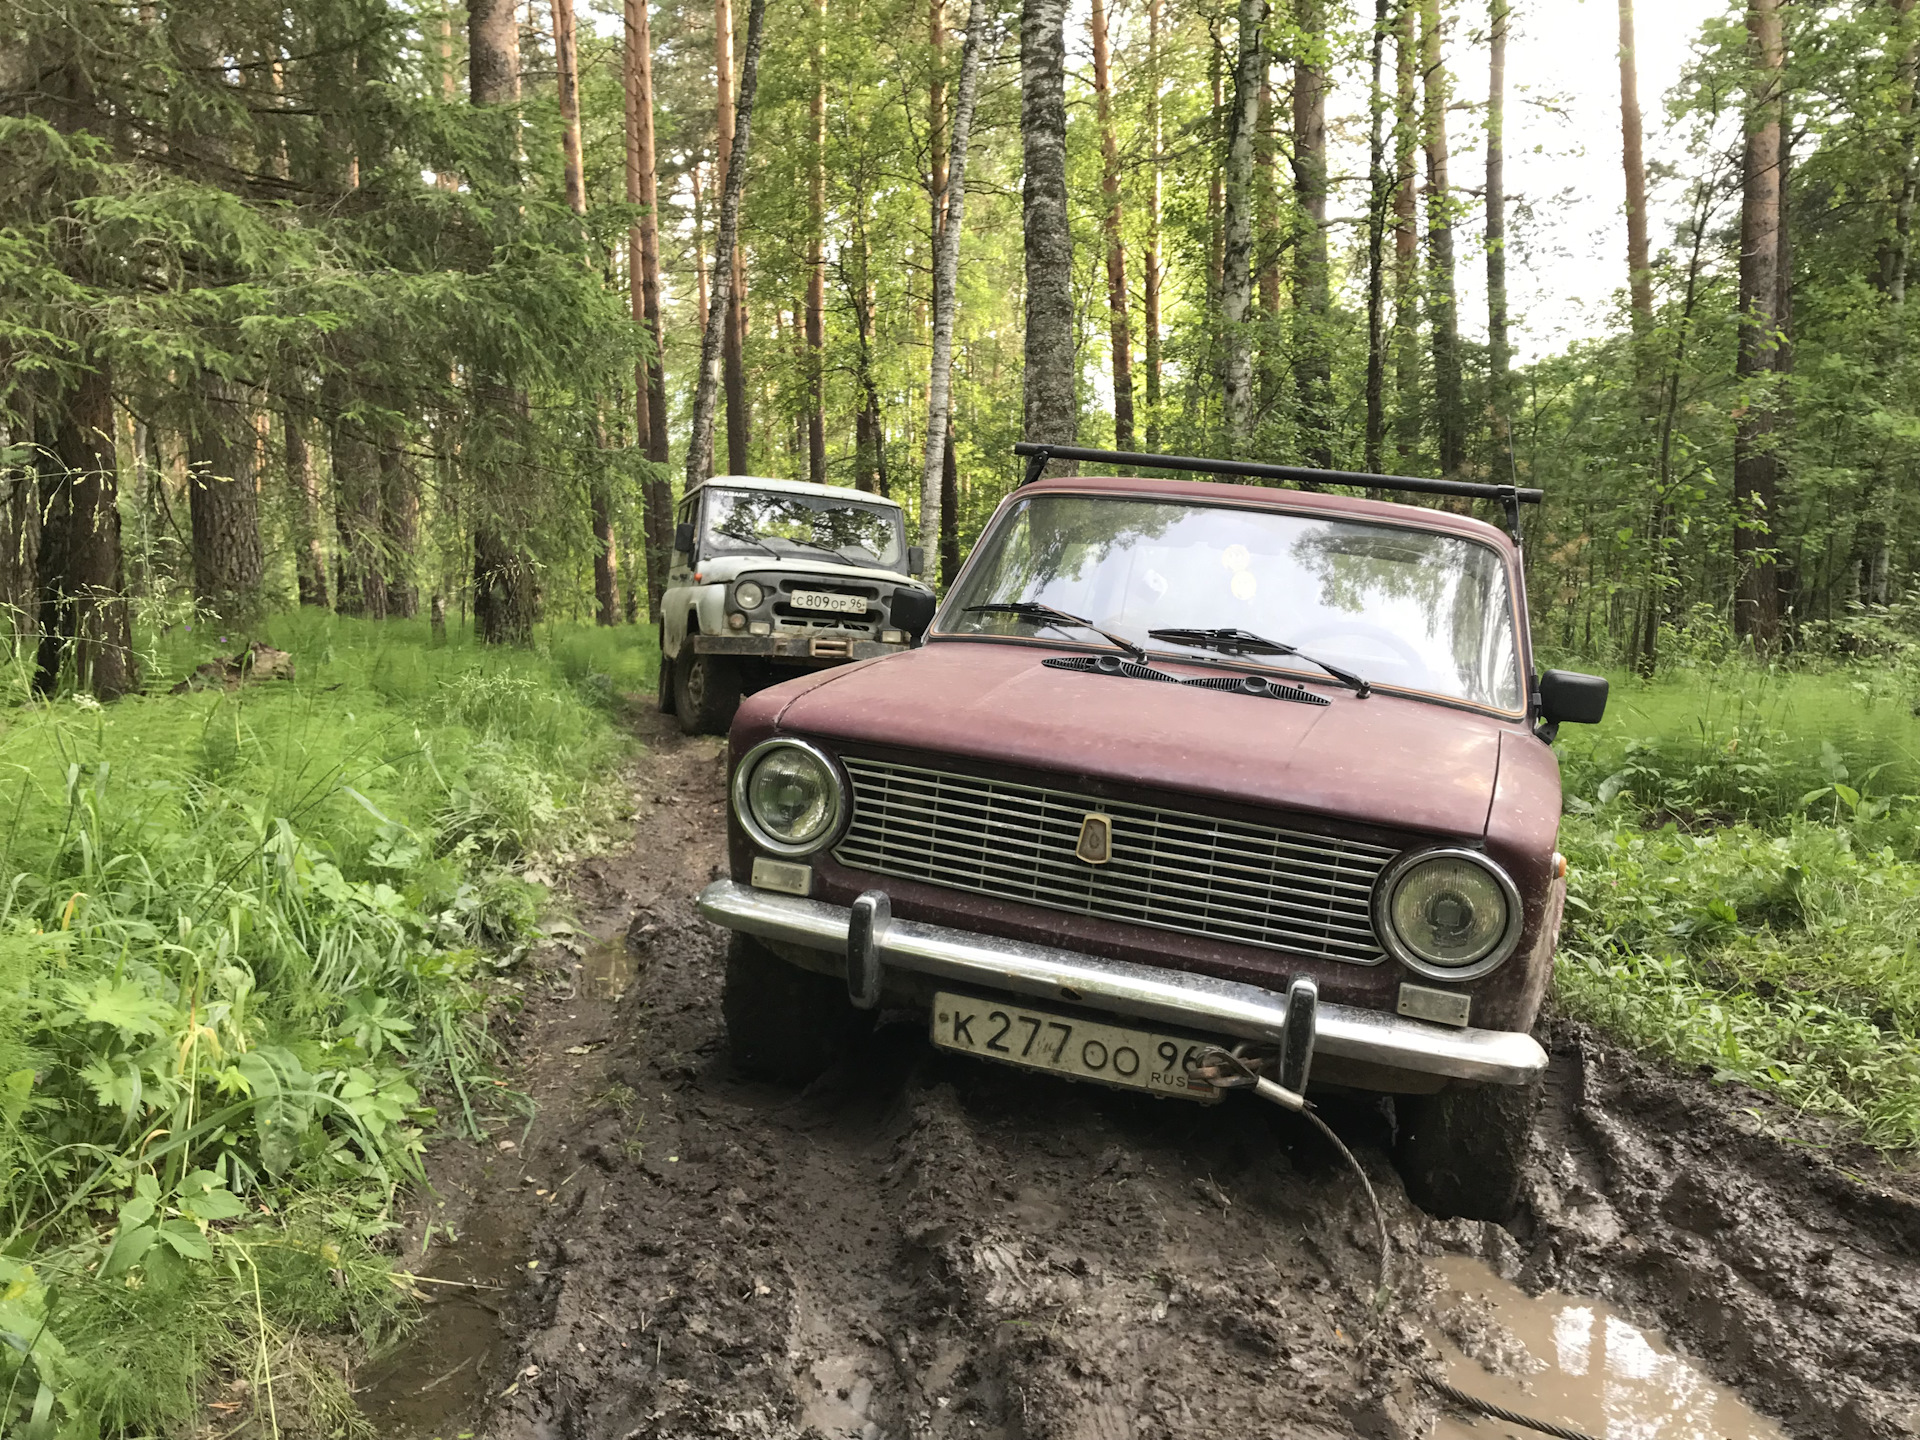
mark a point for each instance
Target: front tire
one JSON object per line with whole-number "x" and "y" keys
{"x": 1463, "y": 1151}
{"x": 785, "y": 1024}
{"x": 706, "y": 692}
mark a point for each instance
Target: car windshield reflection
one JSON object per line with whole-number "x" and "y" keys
{"x": 789, "y": 523}
{"x": 1416, "y": 610}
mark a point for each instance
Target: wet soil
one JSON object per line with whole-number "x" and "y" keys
{"x": 922, "y": 1245}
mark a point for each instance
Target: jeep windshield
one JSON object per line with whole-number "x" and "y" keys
{"x": 1410, "y": 609}
{"x": 792, "y": 524}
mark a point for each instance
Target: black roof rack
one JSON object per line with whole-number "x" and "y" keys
{"x": 1510, "y": 497}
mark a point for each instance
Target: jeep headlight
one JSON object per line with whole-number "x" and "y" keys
{"x": 788, "y": 795}
{"x": 1448, "y": 914}
{"x": 748, "y": 595}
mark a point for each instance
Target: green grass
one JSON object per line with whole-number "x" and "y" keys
{"x": 1745, "y": 890}
{"x": 246, "y": 941}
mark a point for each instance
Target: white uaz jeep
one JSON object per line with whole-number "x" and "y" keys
{"x": 772, "y": 578}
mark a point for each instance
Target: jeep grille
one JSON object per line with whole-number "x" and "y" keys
{"x": 1171, "y": 869}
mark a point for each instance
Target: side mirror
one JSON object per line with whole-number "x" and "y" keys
{"x": 916, "y": 560}
{"x": 1568, "y": 697}
{"x": 683, "y": 539}
{"x": 912, "y": 611}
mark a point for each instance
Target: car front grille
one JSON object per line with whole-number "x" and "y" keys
{"x": 1171, "y": 869}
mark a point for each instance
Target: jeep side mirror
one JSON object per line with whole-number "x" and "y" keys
{"x": 916, "y": 560}
{"x": 912, "y": 611}
{"x": 683, "y": 539}
{"x": 1569, "y": 697}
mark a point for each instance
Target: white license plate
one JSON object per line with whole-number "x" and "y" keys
{"x": 821, "y": 600}
{"x": 1112, "y": 1054}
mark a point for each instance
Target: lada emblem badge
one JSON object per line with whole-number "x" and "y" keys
{"x": 1096, "y": 839}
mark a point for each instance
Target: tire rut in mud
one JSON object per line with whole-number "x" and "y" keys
{"x": 917, "y": 1245}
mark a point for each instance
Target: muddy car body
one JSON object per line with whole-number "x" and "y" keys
{"x": 1050, "y": 837}
{"x": 771, "y": 578}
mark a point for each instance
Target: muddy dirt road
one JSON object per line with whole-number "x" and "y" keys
{"x": 917, "y": 1245}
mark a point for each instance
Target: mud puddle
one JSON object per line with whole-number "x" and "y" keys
{"x": 1574, "y": 1362}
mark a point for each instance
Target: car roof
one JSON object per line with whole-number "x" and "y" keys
{"x": 1214, "y": 492}
{"x": 802, "y": 487}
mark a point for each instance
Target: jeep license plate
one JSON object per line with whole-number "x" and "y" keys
{"x": 1111, "y": 1054}
{"x": 822, "y": 600}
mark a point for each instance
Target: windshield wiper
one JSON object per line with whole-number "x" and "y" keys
{"x": 1243, "y": 642}
{"x": 1038, "y": 614}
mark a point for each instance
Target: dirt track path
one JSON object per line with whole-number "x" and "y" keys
{"x": 919, "y": 1246}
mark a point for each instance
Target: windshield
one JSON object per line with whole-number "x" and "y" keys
{"x": 1412, "y": 609}
{"x": 786, "y": 522}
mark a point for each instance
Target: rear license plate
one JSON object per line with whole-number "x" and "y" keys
{"x": 822, "y": 600}
{"x": 1111, "y": 1054}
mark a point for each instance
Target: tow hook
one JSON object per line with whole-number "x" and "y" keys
{"x": 1235, "y": 1070}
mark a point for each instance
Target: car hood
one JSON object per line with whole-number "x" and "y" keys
{"x": 719, "y": 568}
{"x": 1386, "y": 760}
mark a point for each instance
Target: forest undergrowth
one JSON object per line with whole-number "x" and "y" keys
{"x": 1745, "y": 885}
{"x": 249, "y": 940}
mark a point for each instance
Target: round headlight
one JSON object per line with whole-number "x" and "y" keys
{"x": 748, "y": 595}
{"x": 1450, "y": 914}
{"x": 787, "y": 794}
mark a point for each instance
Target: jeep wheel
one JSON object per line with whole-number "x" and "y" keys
{"x": 706, "y": 692}
{"x": 1461, "y": 1152}
{"x": 663, "y": 687}
{"x": 785, "y": 1024}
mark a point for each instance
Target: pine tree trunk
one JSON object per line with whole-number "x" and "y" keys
{"x": 606, "y": 570}
{"x": 503, "y": 583}
{"x": 19, "y": 552}
{"x": 700, "y": 439}
{"x": 1906, "y": 81}
{"x": 1499, "y": 353}
{"x": 817, "y": 260}
{"x": 1379, "y": 196}
{"x": 399, "y": 531}
{"x": 83, "y": 615}
{"x": 1755, "y": 611}
{"x": 1050, "y": 381}
{"x": 1313, "y": 374}
{"x": 566, "y": 61}
{"x": 1443, "y": 316}
{"x": 1119, "y": 328}
{"x": 312, "y": 563}
{"x": 225, "y": 508}
{"x": 1150, "y": 278}
{"x": 1236, "y": 297}
{"x": 703, "y": 293}
{"x": 1406, "y": 259}
{"x": 643, "y": 268}
{"x": 934, "y": 489}
{"x": 726, "y": 255}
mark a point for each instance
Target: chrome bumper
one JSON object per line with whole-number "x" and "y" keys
{"x": 1172, "y": 997}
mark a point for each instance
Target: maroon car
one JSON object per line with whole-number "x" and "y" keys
{"x": 1180, "y": 769}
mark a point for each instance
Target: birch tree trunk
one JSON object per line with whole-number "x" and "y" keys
{"x": 1150, "y": 266}
{"x": 1236, "y": 288}
{"x": 1050, "y": 382}
{"x": 726, "y": 254}
{"x": 1756, "y": 612}
{"x": 643, "y": 267}
{"x": 1313, "y": 373}
{"x": 1499, "y": 352}
{"x": 1443, "y": 316}
{"x": 1119, "y": 329}
{"x": 817, "y": 260}
{"x": 1379, "y": 196}
{"x": 706, "y": 386}
{"x": 1406, "y": 258}
{"x": 1639, "y": 268}
{"x": 946, "y": 268}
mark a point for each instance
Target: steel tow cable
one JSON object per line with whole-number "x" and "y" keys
{"x": 1225, "y": 1070}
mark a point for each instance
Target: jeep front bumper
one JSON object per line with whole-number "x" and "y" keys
{"x": 792, "y": 646}
{"x": 1225, "y": 1007}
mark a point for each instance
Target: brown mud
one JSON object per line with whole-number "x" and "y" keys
{"x": 922, "y": 1245}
